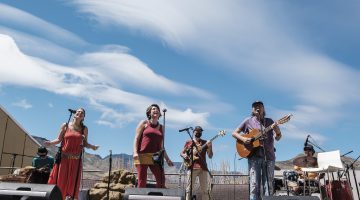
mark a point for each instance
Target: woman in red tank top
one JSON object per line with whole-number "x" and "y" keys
{"x": 148, "y": 140}
{"x": 73, "y": 136}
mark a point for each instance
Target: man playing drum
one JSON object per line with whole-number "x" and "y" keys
{"x": 307, "y": 161}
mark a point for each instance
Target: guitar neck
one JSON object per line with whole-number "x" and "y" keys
{"x": 269, "y": 128}
{"x": 265, "y": 130}
{"x": 203, "y": 146}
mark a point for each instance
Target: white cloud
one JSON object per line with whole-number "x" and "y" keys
{"x": 106, "y": 123}
{"x": 94, "y": 83}
{"x": 125, "y": 69}
{"x": 250, "y": 38}
{"x": 20, "y": 20}
{"x": 39, "y": 47}
{"x": 23, "y": 104}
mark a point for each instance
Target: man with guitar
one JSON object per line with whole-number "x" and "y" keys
{"x": 199, "y": 166}
{"x": 261, "y": 159}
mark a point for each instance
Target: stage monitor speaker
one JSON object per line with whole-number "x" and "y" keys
{"x": 29, "y": 191}
{"x": 290, "y": 198}
{"x": 84, "y": 194}
{"x": 153, "y": 193}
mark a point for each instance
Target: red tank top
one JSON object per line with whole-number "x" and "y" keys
{"x": 151, "y": 140}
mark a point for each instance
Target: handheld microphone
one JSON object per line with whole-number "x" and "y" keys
{"x": 72, "y": 111}
{"x": 164, "y": 110}
{"x": 186, "y": 129}
{"x": 306, "y": 141}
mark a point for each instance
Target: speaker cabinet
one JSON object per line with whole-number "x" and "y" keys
{"x": 290, "y": 198}
{"x": 29, "y": 191}
{"x": 154, "y": 193}
{"x": 84, "y": 194}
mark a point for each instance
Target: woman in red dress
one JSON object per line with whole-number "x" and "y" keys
{"x": 73, "y": 137}
{"x": 148, "y": 140}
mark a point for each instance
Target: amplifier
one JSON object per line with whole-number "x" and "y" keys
{"x": 154, "y": 193}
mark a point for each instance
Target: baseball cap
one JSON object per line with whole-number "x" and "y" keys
{"x": 42, "y": 150}
{"x": 255, "y": 103}
{"x": 198, "y": 128}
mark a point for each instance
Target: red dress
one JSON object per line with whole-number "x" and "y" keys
{"x": 72, "y": 146}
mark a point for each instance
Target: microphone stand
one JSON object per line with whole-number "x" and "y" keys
{"x": 262, "y": 142}
{"x": 162, "y": 183}
{"x": 79, "y": 164}
{"x": 316, "y": 145}
{"x": 13, "y": 162}
{"x": 110, "y": 165}
{"x": 60, "y": 147}
{"x": 191, "y": 160}
{"x": 202, "y": 160}
{"x": 346, "y": 172}
{"x": 354, "y": 174}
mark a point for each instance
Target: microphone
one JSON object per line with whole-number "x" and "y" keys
{"x": 72, "y": 111}
{"x": 186, "y": 129}
{"x": 164, "y": 110}
{"x": 306, "y": 141}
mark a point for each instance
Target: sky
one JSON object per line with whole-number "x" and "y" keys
{"x": 204, "y": 61}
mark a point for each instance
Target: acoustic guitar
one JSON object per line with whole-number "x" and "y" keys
{"x": 197, "y": 149}
{"x": 244, "y": 150}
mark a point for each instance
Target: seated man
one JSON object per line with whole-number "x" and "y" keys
{"x": 43, "y": 160}
{"x": 43, "y": 165}
{"x": 307, "y": 161}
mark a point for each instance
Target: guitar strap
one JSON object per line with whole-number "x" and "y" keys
{"x": 201, "y": 158}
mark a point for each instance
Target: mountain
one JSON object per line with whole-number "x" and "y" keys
{"x": 288, "y": 164}
{"x": 100, "y": 166}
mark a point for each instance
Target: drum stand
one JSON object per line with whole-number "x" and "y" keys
{"x": 306, "y": 179}
{"x": 287, "y": 186}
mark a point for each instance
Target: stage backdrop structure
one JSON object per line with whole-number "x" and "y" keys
{"x": 17, "y": 147}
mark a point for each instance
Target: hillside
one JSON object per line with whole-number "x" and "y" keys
{"x": 100, "y": 166}
{"x": 97, "y": 163}
{"x": 288, "y": 164}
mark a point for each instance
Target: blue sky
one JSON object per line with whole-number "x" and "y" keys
{"x": 205, "y": 61}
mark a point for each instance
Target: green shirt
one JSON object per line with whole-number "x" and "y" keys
{"x": 39, "y": 162}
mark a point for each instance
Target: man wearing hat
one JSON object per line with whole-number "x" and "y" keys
{"x": 199, "y": 167}
{"x": 43, "y": 160}
{"x": 306, "y": 161}
{"x": 261, "y": 161}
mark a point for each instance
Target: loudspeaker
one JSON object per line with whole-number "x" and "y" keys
{"x": 290, "y": 198}
{"x": 84, "y": 194}
{"x": 29, "y": 191}
{"x": 153, "y": 193}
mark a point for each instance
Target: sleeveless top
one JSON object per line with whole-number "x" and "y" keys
{"x": 72, "y": 142}
{"x": 151, "y": 140}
